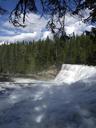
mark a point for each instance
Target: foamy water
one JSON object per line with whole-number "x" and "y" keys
{"x": 53, "y": 104}
{"x": 73, "y": 73}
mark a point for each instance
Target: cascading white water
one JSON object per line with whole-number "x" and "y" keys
{"x": 27, "y": 103}
{"x": 71, "y": 73}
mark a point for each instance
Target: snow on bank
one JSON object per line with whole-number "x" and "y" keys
{"x": 73, "y": 73}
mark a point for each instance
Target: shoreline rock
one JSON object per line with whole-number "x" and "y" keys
{"x": 47, "y": 74}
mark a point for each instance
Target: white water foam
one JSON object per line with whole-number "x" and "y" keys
{"x": 72, "y": 73}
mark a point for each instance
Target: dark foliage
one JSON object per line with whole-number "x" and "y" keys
{"x": 56, "y": 9}
{"x": 32, "y": 57}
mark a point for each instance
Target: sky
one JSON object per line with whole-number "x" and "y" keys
{"x": 36, "y": 25}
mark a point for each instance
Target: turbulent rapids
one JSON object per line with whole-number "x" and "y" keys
{"x": 73, "y": 73}
{"x": 69, "y": 101}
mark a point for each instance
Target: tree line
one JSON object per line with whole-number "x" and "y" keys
{"x": 31, "y": 57}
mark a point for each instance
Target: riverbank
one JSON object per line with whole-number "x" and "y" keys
{"x": 47, "y": 74}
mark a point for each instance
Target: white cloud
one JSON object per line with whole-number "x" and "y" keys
{"x": 47, "y": 34}
{"x": 33, "y": 23}
{"x": 76, "y": 25}
{"x": 20, "y": 37}
{"x": 70, "y": 29}
{"x": 35, "y": 28}
{"x": 2, "y": 42}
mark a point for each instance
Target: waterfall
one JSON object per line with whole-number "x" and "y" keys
{"x": 72, "y": 73}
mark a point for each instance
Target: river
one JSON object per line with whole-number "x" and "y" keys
{"x": 41, "y": 104}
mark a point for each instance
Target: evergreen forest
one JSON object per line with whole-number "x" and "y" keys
{"x": 31, "y": 57}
